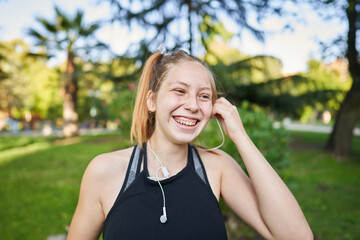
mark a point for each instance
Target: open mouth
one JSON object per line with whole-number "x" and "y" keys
{"x": 186, "y": 122}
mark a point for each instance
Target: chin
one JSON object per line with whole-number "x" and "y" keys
{"x": 184, "y": 137}
{"x": 184, "y": 140}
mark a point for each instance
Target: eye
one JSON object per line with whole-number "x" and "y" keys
{"x": 179, "y": 91}
{"x": 205, "y": 96}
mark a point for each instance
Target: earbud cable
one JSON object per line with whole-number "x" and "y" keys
{"x": 222, "y": 134}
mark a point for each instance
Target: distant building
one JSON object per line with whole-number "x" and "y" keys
{"x": 340, "y": 65}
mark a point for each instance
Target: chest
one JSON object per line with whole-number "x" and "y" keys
{"x": 192, "y": 210}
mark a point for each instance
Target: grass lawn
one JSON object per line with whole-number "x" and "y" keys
{"x": 40, "y": 183}
{"x": 327, "y": 190}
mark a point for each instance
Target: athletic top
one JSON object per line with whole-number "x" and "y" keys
{"x": 193, "y": 211}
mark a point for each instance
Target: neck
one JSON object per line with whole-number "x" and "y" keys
{"x": 173, "y": 156}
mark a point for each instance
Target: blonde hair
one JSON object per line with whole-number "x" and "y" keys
{"x": 154, "y": 72}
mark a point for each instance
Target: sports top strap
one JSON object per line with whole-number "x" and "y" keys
{"x": 136, "y": 159}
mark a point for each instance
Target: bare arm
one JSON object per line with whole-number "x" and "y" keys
{"x": 88, "y": 217}
{"x": 264, "y": 201}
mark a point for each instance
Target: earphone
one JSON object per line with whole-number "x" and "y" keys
{"x": 163, "y": 218}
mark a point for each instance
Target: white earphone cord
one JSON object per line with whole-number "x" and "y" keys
{"x": 162, "y": 165}
{"x": 222, "y": 134}
{"x": 162, "y": 190}
{"x": 163, "y": 218}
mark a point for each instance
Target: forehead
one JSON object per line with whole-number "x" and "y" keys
{"x": 190, "y": 72}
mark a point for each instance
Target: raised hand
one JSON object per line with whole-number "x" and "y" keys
{"x": 229, "y": 118}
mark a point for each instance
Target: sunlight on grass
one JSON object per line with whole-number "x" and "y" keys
{"x": 12, "y": 153}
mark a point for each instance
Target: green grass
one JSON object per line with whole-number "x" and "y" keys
{"x": 9, "y": 142}
{"x": 39, "y": 188}
{"x": 327, "y": 190}
{"x": 40, "y": 183}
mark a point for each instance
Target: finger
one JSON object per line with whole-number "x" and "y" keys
{"x": 223, "y": 100}
{"x": 222, "y": 109}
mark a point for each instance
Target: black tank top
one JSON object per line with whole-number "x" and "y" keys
{"x": 193, "y": 211}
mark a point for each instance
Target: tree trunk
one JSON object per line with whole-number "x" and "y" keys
{"x": 340, "y": 139}
{"x": 188, "y": 3}
{"x": 70, "y": 99}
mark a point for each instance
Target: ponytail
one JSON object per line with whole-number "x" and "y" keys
{"x": 142, "y": 124}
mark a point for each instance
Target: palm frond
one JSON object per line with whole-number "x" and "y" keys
{"x": 38, "y": 36}
{"x": 78, "y": 18}
{"x": 88, "y": 31}
{"x": 48, "y": 26}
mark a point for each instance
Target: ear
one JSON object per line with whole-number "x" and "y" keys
{"x": 150, "y": 101}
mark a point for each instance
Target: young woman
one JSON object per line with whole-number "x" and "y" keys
{"x": 166, "y": 188}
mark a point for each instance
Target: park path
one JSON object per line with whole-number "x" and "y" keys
{"x": 313, "y": 128}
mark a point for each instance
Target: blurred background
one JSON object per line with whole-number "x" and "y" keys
{"x": 68, "y": 77}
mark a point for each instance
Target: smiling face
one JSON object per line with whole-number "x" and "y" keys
{"x": 183, "y": 104}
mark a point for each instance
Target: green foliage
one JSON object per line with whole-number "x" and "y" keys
{"x": 328, "y": 77}
{"x": 44, "y": 96}
{"x": 64, "y": 33}
{"x": 233, "y": 68}
{"x": 109, "y": 88}
{"x": 13, "y": 83}
{"x": 202, "y": 19}
{"x": 272, "y": 142}
{"x": 29, "y": 85}
{"x": 259, "y": 79}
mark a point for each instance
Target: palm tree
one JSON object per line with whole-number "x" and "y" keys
{"x": 65, "y": 34}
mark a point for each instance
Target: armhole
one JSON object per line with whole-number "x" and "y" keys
{"x": 199, "y": 166}
{"x": 133, "y": 169}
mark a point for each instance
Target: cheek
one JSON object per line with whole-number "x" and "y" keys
{"x": 170, "y": 102}
{"x": 207, "y": 109}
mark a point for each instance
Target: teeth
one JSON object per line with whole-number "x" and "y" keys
{"x": 185, "y": 123}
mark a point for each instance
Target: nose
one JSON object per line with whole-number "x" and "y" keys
{"x": 191, "y": 104}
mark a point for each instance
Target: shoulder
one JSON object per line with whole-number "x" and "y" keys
{"x": 108, "y": 165}
{"x": 215, "y": 162}
{"x": 219, "y": 161}
{"x": 215, "y": 157}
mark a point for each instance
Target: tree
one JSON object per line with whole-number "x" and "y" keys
{"x": 183, "y": 22}
{"x": 71, "y": 36}
{"x": 27, "y": 85}
{"x": 13, "y": 82}
{"x": 259, "y": 80}
{"x": 348, "y": 115}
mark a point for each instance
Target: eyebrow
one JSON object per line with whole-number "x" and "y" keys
{"x": 187, "y": 85}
